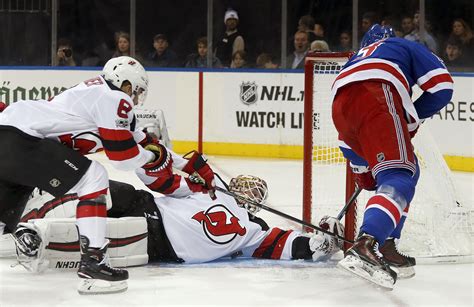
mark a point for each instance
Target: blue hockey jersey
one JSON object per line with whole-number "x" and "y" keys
{"x": 402, "y": 63}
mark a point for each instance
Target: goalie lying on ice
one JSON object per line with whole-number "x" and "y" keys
{"x": 191, "y": 229}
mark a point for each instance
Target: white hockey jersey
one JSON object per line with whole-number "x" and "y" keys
{"x": 201, "y": 229}
{"x": 88, "y": 117}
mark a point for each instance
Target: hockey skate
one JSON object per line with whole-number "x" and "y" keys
{"x": 400, "y": 262}
{"x": 364, "y": 260}
{"x": 97, "y": 276}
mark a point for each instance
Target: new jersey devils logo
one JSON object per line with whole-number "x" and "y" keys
{"x": 219, "y": 224}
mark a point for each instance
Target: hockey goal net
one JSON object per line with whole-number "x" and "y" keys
{"x": 438, "y": 227}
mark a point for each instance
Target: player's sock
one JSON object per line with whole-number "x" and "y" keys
{"x": 381, "y": 215}
{"x": 398, "y": 230}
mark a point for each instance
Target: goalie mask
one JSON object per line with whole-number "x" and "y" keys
{"x": 124, "y": 68}
{"x": 250, "y": 187}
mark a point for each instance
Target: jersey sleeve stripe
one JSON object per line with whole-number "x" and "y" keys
{"x": 115, "y": 134}
{"x": 119, "y": 145}
{"x": 444, "y": 80}
{"x": 430, "y": 74}
{"x": 368, "y": 66}
{"x": 273, "y": 245}
{"x": 122, "y": 155}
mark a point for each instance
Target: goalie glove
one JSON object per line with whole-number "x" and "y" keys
{"x": 27, "y": 240}
{"x": 323, "y": 245}
{"x": 161, "y": 166}
{"x": 363, "y": 177}
{"x": 200, "y": 172}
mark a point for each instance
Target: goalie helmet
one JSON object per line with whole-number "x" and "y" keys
{"x": 376, "y": 33}
{"x": 120, "y": 69}
{"x": 250, "y": 187}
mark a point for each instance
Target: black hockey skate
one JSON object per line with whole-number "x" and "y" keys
{"x": 402, "y": 263}
{"x": 98, "y": 277}
{"x": 364, "y": 260}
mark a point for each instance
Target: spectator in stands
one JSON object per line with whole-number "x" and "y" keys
{"x": 265, "y": 61}
{"x": 199, "y": 59}
{"x": 423, "y": 38}
{"x": 345, "y": 41}
{"x": 454, "y": 56}
{"x": 239, "y": 59}
{"x": 306, "y": 23}
{"x": 319, "y": 31}
{"x": 368, "y": 20}
{"x": 463, "y": 32}
{"x": 122, "y": 44}
{"x": 390, "y": 21}
{"x": 319, "y": 46}
{"x": 163, "y": 56}
{"x": 301, "y": 45}
{"x": 407, "y": 26}
{"x": 232, "y": 41}
{"x": 64, "y": 54}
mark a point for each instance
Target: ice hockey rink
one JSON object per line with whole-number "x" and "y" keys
{"x": 250, "y": 282}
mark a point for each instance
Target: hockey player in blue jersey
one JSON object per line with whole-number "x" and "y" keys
{"x": 376, "y": 118}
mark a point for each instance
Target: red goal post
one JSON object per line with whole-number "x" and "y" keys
{"x": 329, "y": 64}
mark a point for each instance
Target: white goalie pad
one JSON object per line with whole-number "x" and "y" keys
{"x": 44, "y": 205}
{"x": 60, "y": 245}
{"x": 154, "y": 122}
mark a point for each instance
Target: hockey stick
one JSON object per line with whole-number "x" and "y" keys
{"x": 349, "y": 202}
{"x": 284, "y": 215}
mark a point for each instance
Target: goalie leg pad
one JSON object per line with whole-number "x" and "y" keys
{"x": 60, "y": 244}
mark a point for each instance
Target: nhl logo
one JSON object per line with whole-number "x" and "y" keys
{"x": 380, "y": 157}
{"x": 248, "y": 93}
{"x": 55, "y": 182}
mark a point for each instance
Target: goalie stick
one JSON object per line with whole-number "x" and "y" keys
{"x": 284, "y": 215}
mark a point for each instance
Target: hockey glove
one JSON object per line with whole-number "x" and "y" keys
{"x": 162, "y": 166}
{"x": 334, "y": 226}
{"x": 363, "y": 177}
{"x": 197, "y": 167}
{"x": 149, "y": 139}
{"x": 27, "y": 240}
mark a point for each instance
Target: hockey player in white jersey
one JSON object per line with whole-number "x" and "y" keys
{"x": 189, "y": 229}
{"x": 47, "y": 141}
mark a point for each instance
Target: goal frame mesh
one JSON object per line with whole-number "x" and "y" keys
{"x": 350, "y": 216}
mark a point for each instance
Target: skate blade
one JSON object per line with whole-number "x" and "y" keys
{"x": 367, "y": 272}
{"x": 99, "y": 286}
{"x": 404, "y": 273}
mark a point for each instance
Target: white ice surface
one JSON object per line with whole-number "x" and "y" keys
{"x": 250, "y": 282}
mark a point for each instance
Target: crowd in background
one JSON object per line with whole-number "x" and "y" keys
{"x": 253, "y": 34}
{"x": 230, "y": 52}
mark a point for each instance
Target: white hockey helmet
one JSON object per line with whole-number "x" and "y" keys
{"x": 124, "y": 68}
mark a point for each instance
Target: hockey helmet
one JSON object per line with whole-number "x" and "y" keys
{"x": 376, "y": 33}
{"x": 124, "y": 68}
{"x": 252, "y": 188}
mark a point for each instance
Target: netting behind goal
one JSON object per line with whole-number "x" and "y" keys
{"x": 438, "y": 225}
